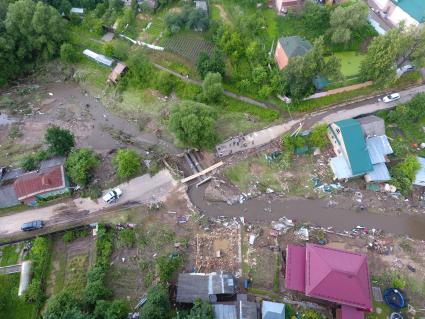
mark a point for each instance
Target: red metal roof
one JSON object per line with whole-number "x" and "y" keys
{"x": 116, "y": 72}
{"x": 295, "y": 268}
{"x": 330, "y": 274}
{"x": 36, "y": 183}
{"x": 351, "y": 313}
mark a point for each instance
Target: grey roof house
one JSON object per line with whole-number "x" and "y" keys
{"x": 8, "y": 197}
{"x": 209, "y": 287}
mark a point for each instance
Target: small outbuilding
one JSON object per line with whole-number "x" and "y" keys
{"x": 99, "y": 58}
{"x": 201, "y": 5}
{"x": 288, "y": 47}
{"x": 119, "y": 69}
{"x": 272, "y": 310}
{"x": 372, "y": 125}
{"x": 420, "y": 175}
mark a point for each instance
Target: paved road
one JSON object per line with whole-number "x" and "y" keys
{"x": 141, "y": 190}
{"x": 226, "y": 92}
{"x": 336, "y": 113}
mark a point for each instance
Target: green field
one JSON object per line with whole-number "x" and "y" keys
{"x": 350, "y": 62}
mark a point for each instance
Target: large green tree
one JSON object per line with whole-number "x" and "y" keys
{"x": 213, "y": 63}
{"x": 158, "y": 304}
{"x": 29, "y": 32}
{"x": 200, "y": 310}
{"x": 346, "y": 18}
{"x": 194, "y": 124}
{"x": 80, "y": 164}
{"x": 300, "y": 72}
{"x": 60, "y": 141}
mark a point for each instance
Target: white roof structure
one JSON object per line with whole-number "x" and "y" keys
{"x": 420, "y": 175}
{"x": 378, "y": 147}
{"x": 99, "y": 58}
{"x": 272, "y": 310}
{"x": 77, "y": 10}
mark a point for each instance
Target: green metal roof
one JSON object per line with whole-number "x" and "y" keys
{"x": 415, "y": 8}
{"x": 355, "y": 145}
{"x": 295, "y": 45}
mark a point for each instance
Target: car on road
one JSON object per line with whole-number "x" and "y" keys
{"x": 391, "y": 98}
{"x": 35, "y": 224}
{"x": 112, "y": 196}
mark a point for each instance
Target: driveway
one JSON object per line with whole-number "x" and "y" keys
{"x": 141, "y": 190}
{"x": 336, "y": 113}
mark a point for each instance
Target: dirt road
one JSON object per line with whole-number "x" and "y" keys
{"x": 337, "y": 113}
{"x": 140, "y": 190}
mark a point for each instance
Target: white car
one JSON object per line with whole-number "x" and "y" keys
{"x": 391, "y": 98}
{"x": 112, "y": 196}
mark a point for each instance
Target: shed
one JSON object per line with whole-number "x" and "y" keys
{"x": 99, "y": 58}
{"x": 420, "y": 175}
{"x": 8, "y": 196}
{"x": 246, "y": 309}
{"x": 379, "y": 173}
{"x": 52, "y": 162}
{"x": 77, "y": 11}
{"x": 378, "y": 147}
{"x": 372, "y": 125}
{"x": 201, "y": 5}
{"x": 272, "y": 310}
{"x": 108, "y": 37}
{"x": 208, "y": 287}
{"x": 225, "y": 311}
{"x": 117, "y": 72}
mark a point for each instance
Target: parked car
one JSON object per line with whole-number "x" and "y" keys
{"x": 36, "y": 224}
{"x": 112, "y": 196}
{"x": 391, "y": 98}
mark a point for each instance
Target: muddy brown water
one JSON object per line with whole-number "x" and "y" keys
{"x": 314, "y": 211}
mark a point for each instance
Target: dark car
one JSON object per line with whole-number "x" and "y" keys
{"x": 36, "y": 224}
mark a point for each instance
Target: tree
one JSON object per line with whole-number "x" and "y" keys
{"x": 300, "y": 72}
{"x": 379, "y": 63}
{"x": 60, "y": 141}
{"x": 214, "y": 64}
{"x": 29, "y": 32}
{"x": 404, "y": 173}
{"x": 194, "y": 124}
{"x": 116, "y": 309}
{"x": 64, "y": 305}
{"x": 200, "y": 310}
{"x": 140, "y": 69}
{"x": 68, "y": 53}
{"x": 28, "y": 163}
{"x": 165, "y": 83}
{"x": 127, "y": 163}
{"x": 212, "y": 88}
{"x": 80, "y": 164}
{"x": 157, "y": 305}
{"x": 167, "y": 266}
{"x": 347, "y": 18}
{"x": 317, "y": 137}
{"x": 316, "y": 17}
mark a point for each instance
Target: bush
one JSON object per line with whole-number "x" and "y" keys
{"x": 167, "y": 266}
{"x": 72, "y": 235}
{"x": 398, "y": 282}
{"x": 68, "y": 53}
{"x": 212, "y": 88}
{"x": 157, "y": 305}
{"x": 404, "y": 173}
{"x": 140, "y": 70}
{"x": 214, "y": 64}
{"x": 318, "y": 136}
{"x": 128, "y": 237}
{"x": 80, "y": 164}
{"x": 165, "y": 83}
{"x": 93, "y": 192}
{"x": 127, "y": 163}
{"x": 28, "y": 163}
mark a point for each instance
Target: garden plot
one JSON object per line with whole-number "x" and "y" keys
{"x": 70, "y": 263}
{"x": 188, "y": 45}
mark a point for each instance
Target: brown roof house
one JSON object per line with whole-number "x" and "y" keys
{"x": 283, "y": 5}
{"x": 36, "y": 186}
{"x": 288, "y": 47}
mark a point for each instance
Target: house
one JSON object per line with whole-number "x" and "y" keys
{"x": 99, "y": 58}
{"x": 48, "y": 181}
{"x": 8, "y": 197}
{"x": 361, "y": 148}
{"x": 350, "y": 147}
{"x": 272, "y": 310}
{"x": 326, "y": 273}
{"x": 201, "y": 5}
{"x": 410, "y": 12}
{"x": 288, "y": 47}
{"x": 119, "y": 69}
{"x": 282, "y": 6}
{"x": 210, "y": 287}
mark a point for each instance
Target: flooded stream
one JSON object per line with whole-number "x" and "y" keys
{"x": 314, "y": 211}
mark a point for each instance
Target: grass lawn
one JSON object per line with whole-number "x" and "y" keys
{"x": 14, "y": 307}
{"x": 350, "y": 62}
{"x": 252, "y": 170}
{"x": 10, "y": 255}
